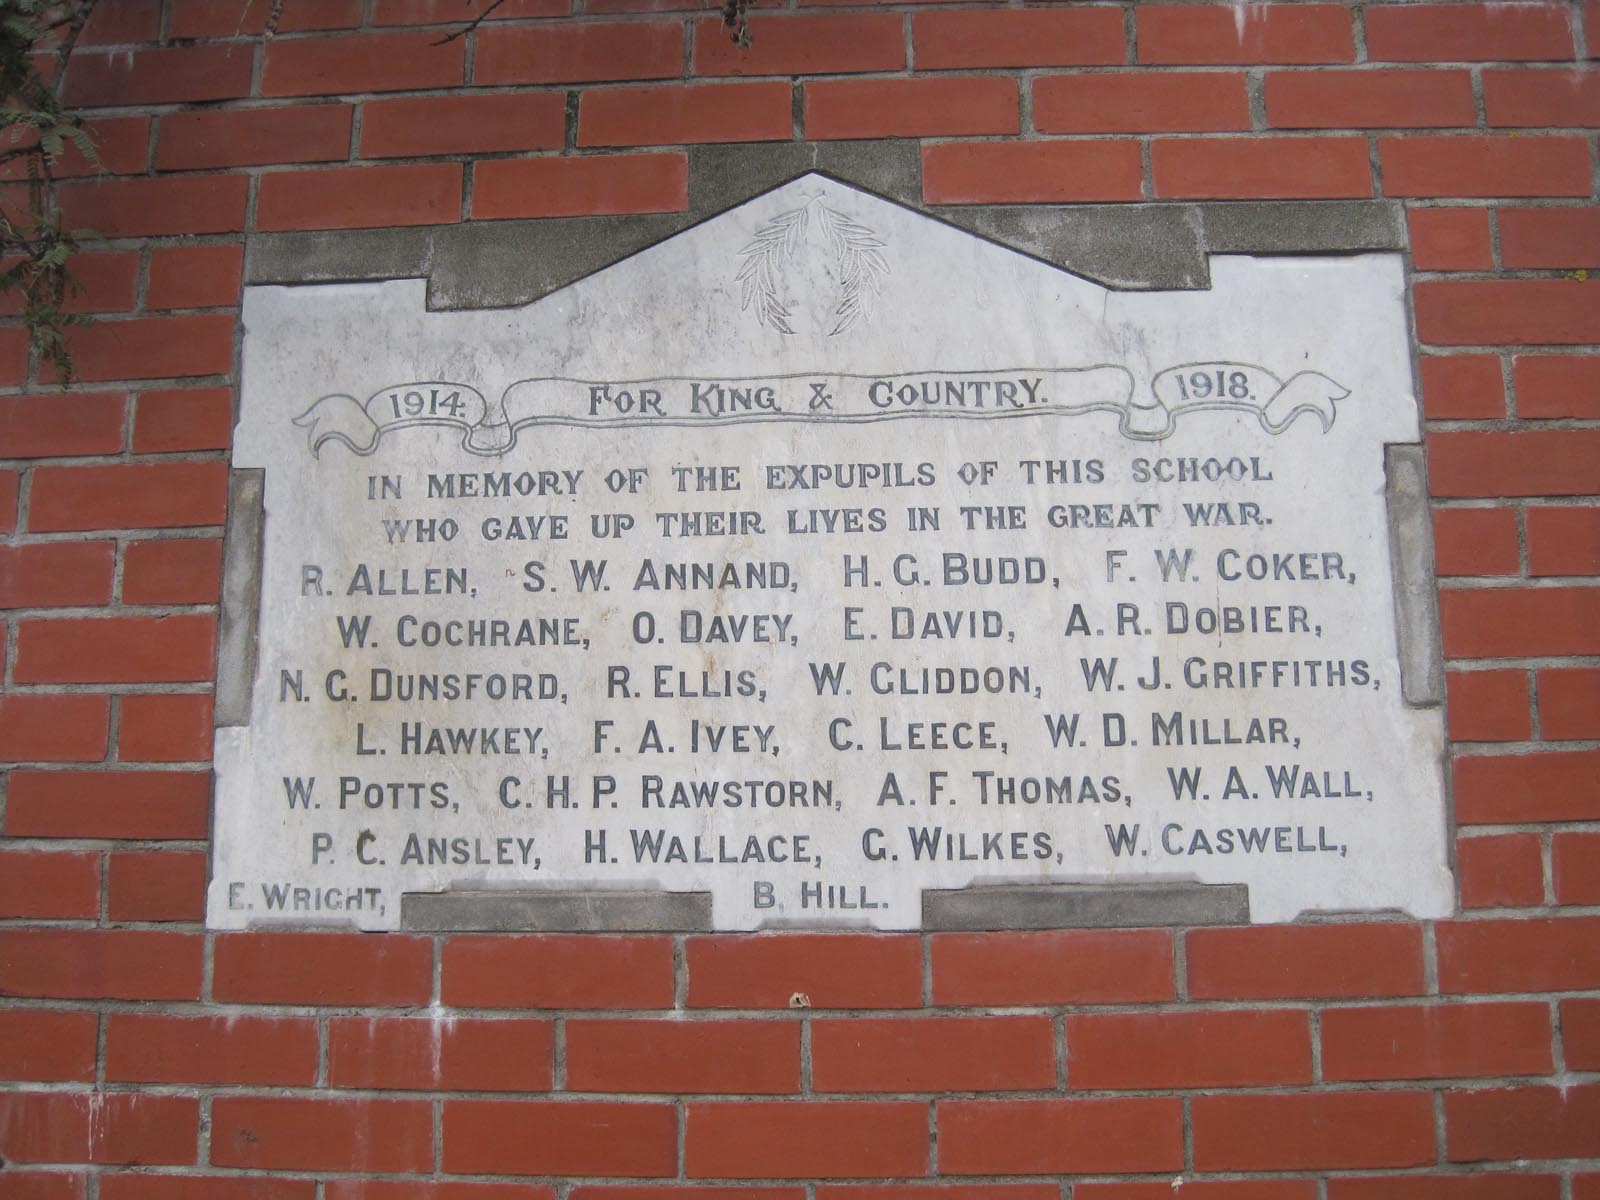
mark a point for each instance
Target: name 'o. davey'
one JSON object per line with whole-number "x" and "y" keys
{"x": 956, "y": 393}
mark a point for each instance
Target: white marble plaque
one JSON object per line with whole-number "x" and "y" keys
{"x": 819, "y": 556}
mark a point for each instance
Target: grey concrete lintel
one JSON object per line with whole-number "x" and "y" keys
{"x": 1302, "y": 226}
{"x": 241, "y": 596}
{"x": 1086, "y": 906}
{"x": 556, "y": 912}
{"x": 1411, "y": 560}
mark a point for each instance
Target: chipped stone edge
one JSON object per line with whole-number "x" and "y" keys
{"x": 1142, "y": 246}
{"x": 241, "y": 595}
{"x": 556, "y": 912}
{"x": 1421, "y": 647}
{"x": 1085, "y": 906}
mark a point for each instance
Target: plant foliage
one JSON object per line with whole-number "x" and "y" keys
{"x": 35, "y": 131}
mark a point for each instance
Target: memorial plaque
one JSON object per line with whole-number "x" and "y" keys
{"x": 821, "y": 557}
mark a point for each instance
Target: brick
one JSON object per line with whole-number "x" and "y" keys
{"x": 1050, "y": 1137}
{"x": 588, "y": 53}
{"x": 171, "y": 805}
{"x": 70, "y": 728}
{"x": 157, "y": 207}
{"x": 1312, "y": 1131}
{"x": 1550, "y": 237}
{"x": 165, "y": 728}
{"x": 1187, "y": 1050}
{"x": 557, "y": 971}
{"x": 802, "y": 44}
{"x": 575, "y": 187}
{"x": 253, "y": 137}
{"x": 1476, "y": 541}
{"x": 182, "y": 419}
{"x": 1556, "y": 385}
{"x": 41, "y": 1046}
{"x": 1058, "y": 967}
{"x": 1504, "y": 871}
{"x": 805, "y": 1139}
{"x": 361, "y": 197}
{"x": 1569, "y": 704}
{"x": 1445, "y": 1041}
{"x": 1520, "y": 622}
{"x": 297, "y": 1133}
{"x": 560, "y": 1137}
{"x": 195, "y": 277}
{"x": 1056, "y": 172}
{"x": 1498, "y": 1186}
{"x": 938, "y": 1191}
{"x": 128, "y": 496}
{"x": 1451, "y": 239}
{"x": 1530, "y": 463}
{"x": 1555, "y": 786}
{"x": 1591, "y": 34}
{"x": 672, "y": 114}
{"x": 59, "y": 424}
{"x": 92, "y": 964}
{"x": 1519, "y": 955}
{"x": 1068, "y": 37}
{"x": 453, "y": 1054}
{"x": 1366, "y": 99}
{"x": 53, "y": 574}
{"x": 398, "y": 1189}
{"x": 438, "y": 12}
{"x": 1285, "y": 962}
{"x": 161, "y": 885}
{"x": 933, "y": 1054}
{"x": 46, "y": 885}
{"x": 1525, "y": 1122}
{"x": 106, "y": 1128}
{"x": 1214, "y": 34}
{"x": 832, "y": 970}
{"x": 159, "y": 75}
{"x": 121, "y": 147}
{"x": 1470, "y": 166}
{"x": 19, "y": 1184}
{"x": 1461, "y": 386}
{"x": 1131, "y": 102}
{"x": 101, "y": 283}
{"x": 1467, "y": 32}
{"x": 9, "y": 483}
{"x": 259, "y": 1051}
{"x": 1575, "y": 867}
{"x": 1563, "y": 541}
{"x": 172, "y": 571}
{"x": 14, "y": 348}
{"x": 1580, "y": 1033}
{"x": 674, "y": 1191}
{"x": 1559, "y": 96}
{"x": 177, "y": 649}
{"x": 205, "y": 1187}
{"x": 122, "y": 23}
{"x": 248, "y": 18}
{"x": 1202, "y": 1189}
{"x": 371, "y": 62}
{"x": 916, "y": 107}
{"x": 673, "y": 1057}
{"x": 1260, "y": 168}
{"x": 1489, "y": 706}
{"x": 153, "y": 347}
{"x": 322, "y": 968}
{"x": 468, "y": 124}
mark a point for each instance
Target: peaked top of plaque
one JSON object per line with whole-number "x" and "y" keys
{"x": 817, "y": 274}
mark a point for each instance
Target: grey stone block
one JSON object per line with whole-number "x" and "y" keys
{"x": 1085, "y": 906}
{"x": 1415, "y": 593}
{"x": 1140, "y": 246}
{"x": 339, "y": 255}
{"x": 1302, "y": 226}
{"x": 241, "y": 596}
{"x": 556, "y": 912}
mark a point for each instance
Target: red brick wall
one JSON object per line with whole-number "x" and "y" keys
{"x": 150, "y": 1060}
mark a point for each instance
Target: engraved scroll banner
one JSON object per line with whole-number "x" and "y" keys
{"x": 491, "y": 428}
